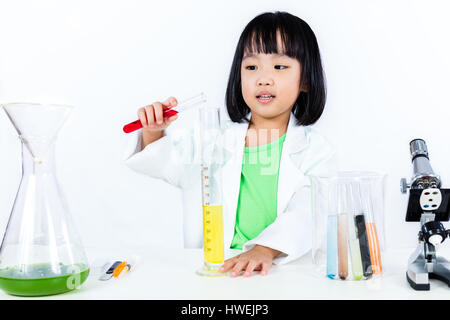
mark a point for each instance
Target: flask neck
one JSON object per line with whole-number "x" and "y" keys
{"x": 34, "y": 165}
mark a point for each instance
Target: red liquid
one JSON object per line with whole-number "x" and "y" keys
{"x": 136, "y": 125}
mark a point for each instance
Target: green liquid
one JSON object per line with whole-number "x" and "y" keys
{"x": 40, "y": 280}
{"x": 355, "y": 254}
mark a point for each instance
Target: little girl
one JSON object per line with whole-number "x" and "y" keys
{"x": 276, "y": 89}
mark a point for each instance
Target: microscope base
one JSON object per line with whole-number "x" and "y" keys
{"x": 417, "y": 286}
{"x": 418, "y": 276}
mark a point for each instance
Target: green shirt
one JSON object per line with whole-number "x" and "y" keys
{"x": 257, "y": 203}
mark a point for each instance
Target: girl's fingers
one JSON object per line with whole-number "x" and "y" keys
{"x": 153, "y": 115}
{"x": 238, "y": 268}
{"x": 150, "y": 115}
{"x": 142, "y": 117}
{"x": 228, "y": 264}
{"x": 169, "y": 120}
{"x": 173, "y": 118}
{"x": 158, "y": 107}
{"x": 265, "y": 268}
{"x": 250, "y": 267}
{"x": 170, "y": 102}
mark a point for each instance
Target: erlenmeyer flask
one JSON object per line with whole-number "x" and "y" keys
{"x": 40, "y": 254}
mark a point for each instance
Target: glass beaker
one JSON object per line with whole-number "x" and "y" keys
{"x": 211, "y": 175}
{"x": 348, "y": 234}
{"x": 41, "y": 253}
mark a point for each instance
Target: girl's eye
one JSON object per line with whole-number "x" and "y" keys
{"x": 279, "y": 67}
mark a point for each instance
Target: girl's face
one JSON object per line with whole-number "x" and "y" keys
{"x": 270, "y": 83}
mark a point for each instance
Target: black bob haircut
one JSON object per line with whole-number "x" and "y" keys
{"x": 299, "y": 42}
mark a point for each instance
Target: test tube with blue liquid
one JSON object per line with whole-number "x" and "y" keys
{"x": 332, "y": 225}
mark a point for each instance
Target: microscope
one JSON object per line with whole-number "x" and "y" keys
{"x": 428, "y": 204}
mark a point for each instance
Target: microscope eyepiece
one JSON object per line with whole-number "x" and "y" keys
{"x": 418, "y": 148}
{"x": 424, "y": 176}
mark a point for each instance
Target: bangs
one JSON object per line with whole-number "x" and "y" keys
{"x": 263, "y": 38}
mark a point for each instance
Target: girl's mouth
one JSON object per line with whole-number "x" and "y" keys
{"x": 265, "y": 98}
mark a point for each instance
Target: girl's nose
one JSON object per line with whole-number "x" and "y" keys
{"x": 265, "y": 81}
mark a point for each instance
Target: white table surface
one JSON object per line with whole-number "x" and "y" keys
{"x": 170, "y": 274}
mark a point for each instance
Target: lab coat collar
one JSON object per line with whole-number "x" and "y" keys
{"x": 294, "y": 142}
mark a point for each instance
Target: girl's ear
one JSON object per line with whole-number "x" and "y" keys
{"x": 304, "y": 87}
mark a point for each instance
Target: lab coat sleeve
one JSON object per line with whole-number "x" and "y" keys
{"x": 161, "y": 159}
{"x": 291, "y": 232}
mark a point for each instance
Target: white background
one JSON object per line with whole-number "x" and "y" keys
{"x": 387, "y": 65}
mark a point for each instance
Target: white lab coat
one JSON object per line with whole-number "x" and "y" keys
{"x": 304, "y": 152}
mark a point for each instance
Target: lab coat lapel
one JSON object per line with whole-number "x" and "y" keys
{"x": 290, "y": 177}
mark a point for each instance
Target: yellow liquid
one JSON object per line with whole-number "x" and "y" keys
{"x": 213, "y": 234}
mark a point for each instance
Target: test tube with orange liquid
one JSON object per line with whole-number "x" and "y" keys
{"x": 371, "y": 230}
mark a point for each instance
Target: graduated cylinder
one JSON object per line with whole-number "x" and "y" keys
{"x": 211, "y": 165}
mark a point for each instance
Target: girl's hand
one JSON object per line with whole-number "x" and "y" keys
{"x": 151, "y": 116}
{"x": 258, "y": 258}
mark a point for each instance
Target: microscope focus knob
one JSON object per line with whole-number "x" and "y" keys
{"x": 404, "y": 185}
{"x": 433, "y": 232}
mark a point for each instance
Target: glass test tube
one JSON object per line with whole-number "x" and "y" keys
{"x": 372, "y": 235}
{"x": 213, "y": 242}
{"x": 361, "y": 232}
{"x": 353, "y": 241}
{"x": 332, "y": 254}
{"x": 342, "y": 234}
{"x": 167, "y": 113}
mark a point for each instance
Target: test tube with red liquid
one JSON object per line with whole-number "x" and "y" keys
{"x": 167, "y": 113}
